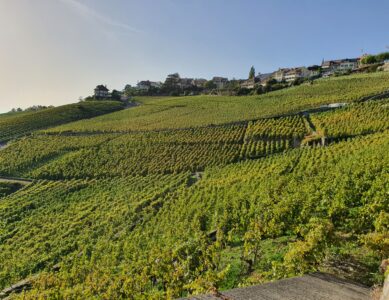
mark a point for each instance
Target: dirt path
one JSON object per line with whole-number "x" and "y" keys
{"x": 316, "y": 286}
{"x": 18, "y": 180}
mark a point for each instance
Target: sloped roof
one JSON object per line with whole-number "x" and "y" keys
{"x": 101, "y": 88}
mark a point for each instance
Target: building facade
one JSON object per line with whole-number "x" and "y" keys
{"x": 250, "y": 83}
{"x": 291, "y": 74}
{"x": 101, "y": 92}
{"x": 145, "y": 85}
{"x": 340, "y": 65}
{"x": 199, "y": 82}
{"x": 220, "y": 82}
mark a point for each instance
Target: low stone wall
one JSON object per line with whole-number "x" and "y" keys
{"x": 384, "y": 268}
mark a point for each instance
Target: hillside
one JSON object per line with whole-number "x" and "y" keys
{"x": 153, "y": 202}
{"x": 183, "y": 112}
{"x": 18, "y": 124}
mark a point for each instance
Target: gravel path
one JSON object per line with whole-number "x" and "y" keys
{"x": 316, "y": 286}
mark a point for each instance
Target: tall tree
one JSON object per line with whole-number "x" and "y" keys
{"x": 252, "y": 72}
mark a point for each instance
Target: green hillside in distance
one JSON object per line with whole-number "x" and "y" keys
{"x": 183, "y": 112}
{"x": 14, "y": 125}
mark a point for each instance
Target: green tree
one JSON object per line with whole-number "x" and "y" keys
{"x": 129, "y": 90}
{"x": 368, "y": 59}
{"x": 382, "y": 56}
{"x": 115, "y": 95}
{"x": 252, "y": 72}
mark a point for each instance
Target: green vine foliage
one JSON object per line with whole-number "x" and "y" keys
{"x": 19, "y": 124}
{"x": 170, "y": 199}
{"x": 196, "y": 111}
{"x": 149, "y": 236}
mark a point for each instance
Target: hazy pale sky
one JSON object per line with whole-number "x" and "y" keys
{"x": 54, "y": 51}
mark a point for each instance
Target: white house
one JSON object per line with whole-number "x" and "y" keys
{"x": 340, "y": 65}
{"x": 250, "y": 83}
{"x": 280, "y": 74}
{"x": 101, "y": 91}
{"x": 291, "y": 74}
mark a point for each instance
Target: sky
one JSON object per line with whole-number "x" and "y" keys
{"x": 53, "y": 52}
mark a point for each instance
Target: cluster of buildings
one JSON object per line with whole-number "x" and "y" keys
{"x": 326, "y": 69}
{"x": 331, "y": 67}
{"x": 102, "y": 92}
{"x": 175, "y": 81}
{"x": 145, "y": 85}
{"x": 288, "y": 75}
{"x": 292, "y": 74}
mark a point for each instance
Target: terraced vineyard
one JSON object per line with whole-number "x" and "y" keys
{"x": 355, "y": 119}
{"x": 207, "y": 110}
{"x": 277, "y": 128}
{"x": 107, "y": 155}
{"x": 18, "y": 124}
{"x": 120, "y": 230}
{"x": 119, "y": 211}
{"x": 31, "y": 152}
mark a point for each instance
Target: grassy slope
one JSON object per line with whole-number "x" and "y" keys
{"x": 18, "y": 124}
{"x": 205, "y": 110}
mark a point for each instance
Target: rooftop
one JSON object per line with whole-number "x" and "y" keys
{"x": 101, "y": 88}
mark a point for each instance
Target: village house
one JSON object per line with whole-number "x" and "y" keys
{"x": 280, "y": 74}
{"x": 341, "y": 65}
{"x": 199, "y": 82}
{"x": 175, "y": 81}
{"x": 314, "y": 70}
{"x": 349, "y": 64}
{"x": 250, "y": 83}
{"x": 172, "y": 80}
{"x": 185, "y": 83}
{"x": 101, "y": 92}
{"x": 220, "y": 82}
{"x": 291, "y": 74}
{"x": 145, "y": 85}
{"x": 264, "y": 79}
